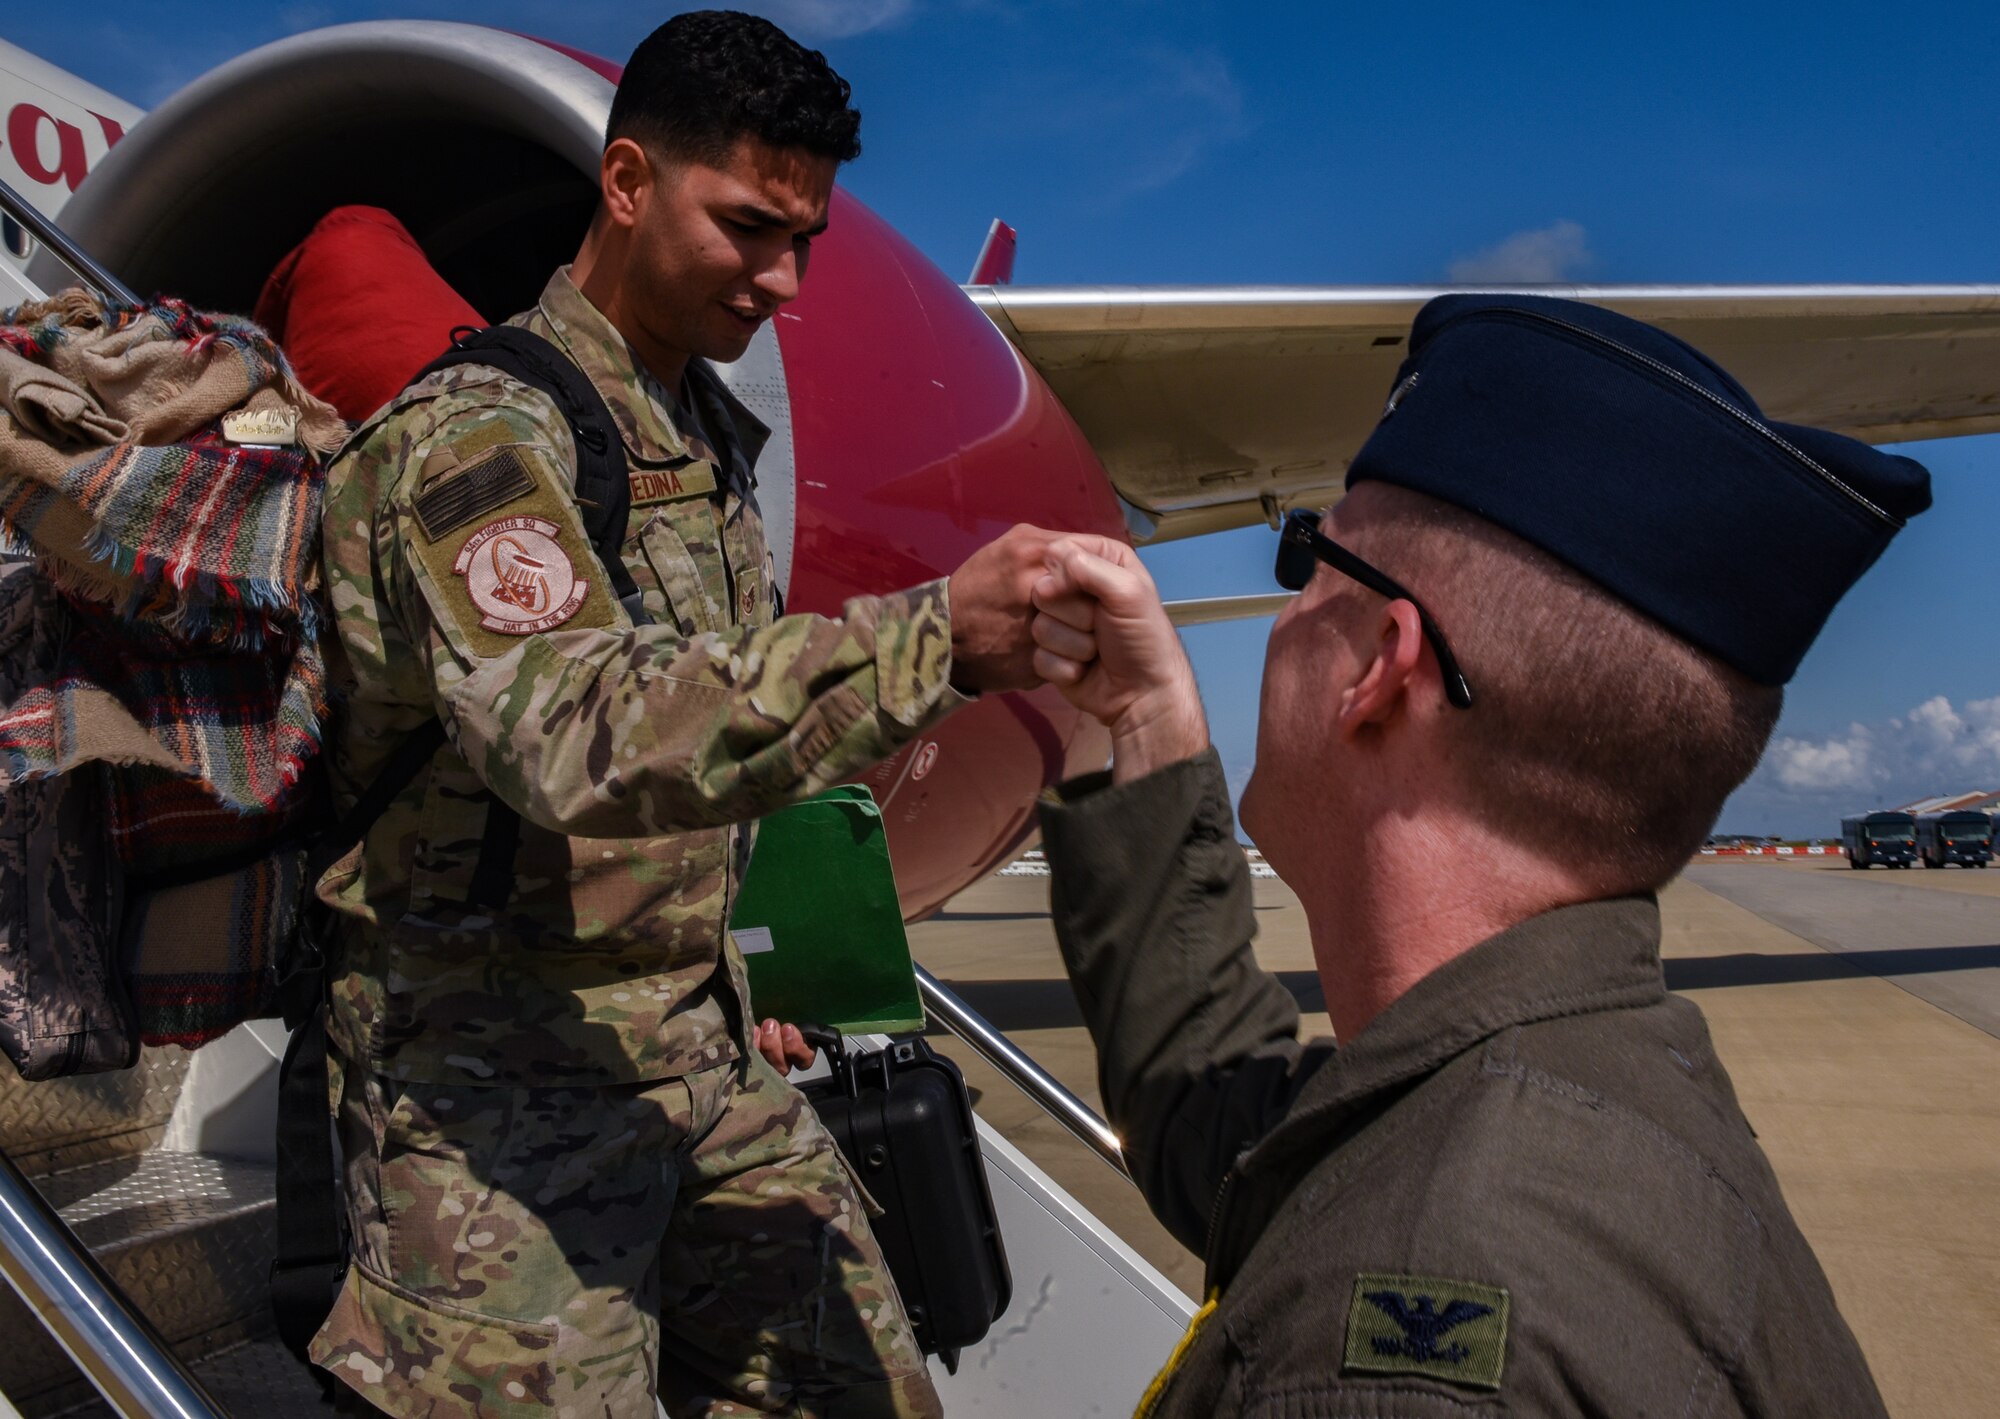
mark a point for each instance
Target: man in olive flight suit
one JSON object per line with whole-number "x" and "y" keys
{"x": 557, "y": 1123}
{"x": 1536, "y": 646}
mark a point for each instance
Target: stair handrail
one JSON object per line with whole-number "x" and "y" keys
{"x": 81, "y": 1307}
{"x": 991, "y": 1045}
{"x": 81, "y": 263}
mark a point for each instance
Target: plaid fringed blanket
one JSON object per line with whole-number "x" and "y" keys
{"x": 178, "y": 668}
{"x": 192, "y": 562}
{"x": 114, "y": 475}
{"x": 204, "y": 956}
{"x": 215, "y": 542}
{"x": 241, "y": 727}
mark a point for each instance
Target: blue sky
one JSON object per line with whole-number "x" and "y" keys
{"x": 1232, "y": 142}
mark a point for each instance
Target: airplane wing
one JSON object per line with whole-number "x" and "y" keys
{"x": 1218, "y": 407}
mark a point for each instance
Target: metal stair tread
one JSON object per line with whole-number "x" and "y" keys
{"x": 53, "y": 1124}
{"x": 250, "y": 1379}
{"x": 124, "y": 1202}
{"x": 186, "y": 1236}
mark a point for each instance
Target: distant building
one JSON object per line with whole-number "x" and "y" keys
{"x": 1980, "y": 800}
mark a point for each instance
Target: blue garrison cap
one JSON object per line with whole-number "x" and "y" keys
{"x": 1634, "y": 458}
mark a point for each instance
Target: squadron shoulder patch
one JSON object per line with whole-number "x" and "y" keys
{"x": 504, "y": 554}
{"x": 1425, "y": 1325}
{"x": 519, "y": 578}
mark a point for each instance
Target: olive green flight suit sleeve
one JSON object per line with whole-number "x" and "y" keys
{"x": 586, "y": 724}
{"x": 1196, "y": 1045}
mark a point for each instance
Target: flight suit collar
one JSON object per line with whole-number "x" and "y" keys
{"x": 1574, "y": 960}
{"x": 639, "y": 403}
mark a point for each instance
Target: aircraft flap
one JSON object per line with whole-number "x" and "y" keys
{"x": 1216, "y": 407}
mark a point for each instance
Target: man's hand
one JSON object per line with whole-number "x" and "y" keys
{"x": 1105, "y": 641}
{"x": 991, "y": 648}
{"x": 784, "y": 1047}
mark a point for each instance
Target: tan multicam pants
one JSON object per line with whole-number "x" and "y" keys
{"x": 517, "y": 1249}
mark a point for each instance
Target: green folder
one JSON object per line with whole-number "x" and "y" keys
{"x": 819, "y": 923}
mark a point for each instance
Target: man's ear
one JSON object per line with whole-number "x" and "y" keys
{"x": 625, "y": 176}
{"x": 1381, "y": 692}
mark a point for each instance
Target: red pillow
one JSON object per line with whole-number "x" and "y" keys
{"x": 359, "y": 309}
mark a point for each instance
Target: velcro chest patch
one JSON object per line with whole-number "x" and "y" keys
{"x": 1454, "y": 1331}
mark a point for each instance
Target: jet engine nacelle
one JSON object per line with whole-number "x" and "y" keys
{"x": 906, "y": 430}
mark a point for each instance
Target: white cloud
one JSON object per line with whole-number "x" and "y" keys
{"x": 1845, "y": 763}
{"x": 1166, "y": 114}
{"x": 1557, "y": 252}
{"x": 832, "y": 19}
{"x": 1936, "y": 748}
{"x": 1197, "y": 85}
{"x": 1937, "y": 726}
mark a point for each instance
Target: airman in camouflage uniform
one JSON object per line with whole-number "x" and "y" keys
{"x": 573, "y": 1182}
{"x": 549, "y": 1104}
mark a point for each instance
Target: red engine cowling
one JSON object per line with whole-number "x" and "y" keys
{"x": 908, "y": 430}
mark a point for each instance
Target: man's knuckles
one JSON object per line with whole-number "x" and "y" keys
{"x": 1064, "y": 639}
{"x": 1071, "y": 610}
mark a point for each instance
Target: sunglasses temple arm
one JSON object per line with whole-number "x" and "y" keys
{"x": 1456, "y": 688}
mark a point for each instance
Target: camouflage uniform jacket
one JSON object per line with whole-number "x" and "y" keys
{"x": 465, "y": 588}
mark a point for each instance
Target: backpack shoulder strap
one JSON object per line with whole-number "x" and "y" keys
{"x": 397, "y": 773}
{"x": 311, "y": 1255}
{"x": 603, "y": 489}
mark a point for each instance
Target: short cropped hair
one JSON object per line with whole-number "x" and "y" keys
{"x": 706, "y": 79}
{"x": 1596, "y": 734}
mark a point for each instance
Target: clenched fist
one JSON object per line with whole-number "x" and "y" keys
{"x": 1105, "y": 641}
{"x": 991, "y": 611}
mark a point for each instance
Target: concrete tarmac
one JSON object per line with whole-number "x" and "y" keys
{"x": 1939, "y": 942}
{"x": 1856, "y": 1013}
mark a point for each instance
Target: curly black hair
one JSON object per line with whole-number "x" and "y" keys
{"x": 705, "y": 79}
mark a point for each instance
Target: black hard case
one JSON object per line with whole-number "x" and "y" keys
{"x": 903, "y": 1121}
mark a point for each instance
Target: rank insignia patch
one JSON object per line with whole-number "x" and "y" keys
{"x": 455, "y": 499}
{"x": 1425, "y": 1325}
{"x": 520, "y": 580}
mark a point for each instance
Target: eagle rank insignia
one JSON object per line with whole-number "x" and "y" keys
{"x": 1425, "y": 1325}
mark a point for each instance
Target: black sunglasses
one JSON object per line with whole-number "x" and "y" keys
{"x": 1301, "y": 545}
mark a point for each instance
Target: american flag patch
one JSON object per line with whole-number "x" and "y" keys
{"x": 487, "y": 483}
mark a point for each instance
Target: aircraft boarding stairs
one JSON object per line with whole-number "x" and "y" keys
{"x": 137, "y": 1225}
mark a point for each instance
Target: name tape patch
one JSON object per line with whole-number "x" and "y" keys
{"x": 1426, "y": 1325}
{"x": 662, "y": 485}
